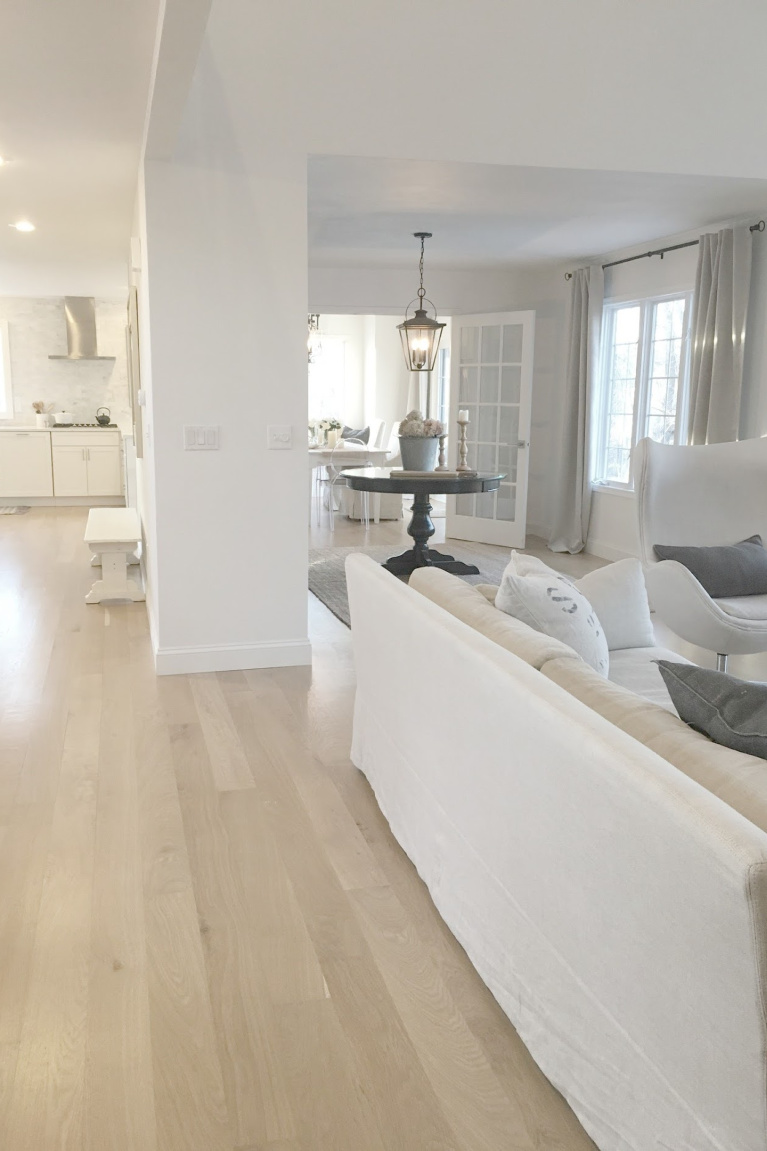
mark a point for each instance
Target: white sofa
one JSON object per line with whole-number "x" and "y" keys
{"x": 604, "y": 866}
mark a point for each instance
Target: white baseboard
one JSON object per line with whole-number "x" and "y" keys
{"x": 607, "y": 551}
{"x": 232, "y": 657}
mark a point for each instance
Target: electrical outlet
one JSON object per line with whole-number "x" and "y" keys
{"x": 279, "y": 436}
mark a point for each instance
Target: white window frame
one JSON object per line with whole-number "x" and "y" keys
{"x": 6, "y": 383}
{"x": 641, "y": 388}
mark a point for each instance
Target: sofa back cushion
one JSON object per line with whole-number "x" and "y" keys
{"x": 618, "y": 595}
{"x": 738, "y": 779}
{"x": 469, "y": 605}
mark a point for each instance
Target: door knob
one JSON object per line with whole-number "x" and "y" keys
{"x": 523, "y": 443}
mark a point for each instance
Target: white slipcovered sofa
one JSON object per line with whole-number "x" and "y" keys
{"x": 604, "y": 866}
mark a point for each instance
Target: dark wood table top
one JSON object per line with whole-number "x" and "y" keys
{"x": 392, "y": 480}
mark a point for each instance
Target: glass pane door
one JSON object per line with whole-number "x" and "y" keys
{"x": 492, "y": 380}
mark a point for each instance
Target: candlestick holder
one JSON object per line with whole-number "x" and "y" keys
{"x": 442, "y": 465}
{"x": 462, "y": 448}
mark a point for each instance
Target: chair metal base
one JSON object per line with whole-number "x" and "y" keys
{"x": 721, "y": 662}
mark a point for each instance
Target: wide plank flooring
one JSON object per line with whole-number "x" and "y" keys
{"x": 209, "y": 940}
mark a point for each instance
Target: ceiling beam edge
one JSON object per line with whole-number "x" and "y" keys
{"x": 180, "y": 31}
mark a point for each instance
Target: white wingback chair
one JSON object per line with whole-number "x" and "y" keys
{"x": 700, "y": 497}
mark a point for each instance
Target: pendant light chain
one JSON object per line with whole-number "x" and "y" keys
{"x": 421, "y": 290}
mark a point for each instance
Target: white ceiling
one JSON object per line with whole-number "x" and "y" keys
{"x": 74, "y": 82}
{"x": 363, "y": 212}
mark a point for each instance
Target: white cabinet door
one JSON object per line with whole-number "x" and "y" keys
{"x": 492, "y": 378}
{"x": 104, "y": 471}
{"x": 25, "y": 464}
{"x": 70, "y": 471}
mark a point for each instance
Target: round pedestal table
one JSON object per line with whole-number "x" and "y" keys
{"x": 421, "y": 527}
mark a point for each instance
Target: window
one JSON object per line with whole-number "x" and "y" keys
{"x": 645, "y": 367}
{"x": 6, "y": 393}
{"x": 327, "y": 379}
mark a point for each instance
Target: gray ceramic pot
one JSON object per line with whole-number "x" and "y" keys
{"x": 419, "y": 453}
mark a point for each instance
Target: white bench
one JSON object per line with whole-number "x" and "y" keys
{"x": 114, "y": 535}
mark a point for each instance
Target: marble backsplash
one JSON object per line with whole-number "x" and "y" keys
{"x": 37, "y": 329}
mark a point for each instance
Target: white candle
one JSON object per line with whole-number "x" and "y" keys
{"x": 463, "y": 416}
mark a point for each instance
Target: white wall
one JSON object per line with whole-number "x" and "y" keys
{"x": 37, "y": 329}
{"x": 226, "y": 245}
{"x": 225, "y": 268}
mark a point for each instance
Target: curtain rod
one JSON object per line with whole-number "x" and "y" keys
{"x": 661, "y": 251}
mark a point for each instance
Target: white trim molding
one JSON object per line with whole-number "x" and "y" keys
{"x": 607, "y": 551}
{"x": 232, "y": 657}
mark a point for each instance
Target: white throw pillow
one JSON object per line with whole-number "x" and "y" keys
{"x": 548, "y": 602}
{"x": 618, "y": 595}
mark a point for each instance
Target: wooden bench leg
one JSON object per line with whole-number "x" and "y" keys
{"x": 114, "y": 583}
{"x": 133, "y": 558}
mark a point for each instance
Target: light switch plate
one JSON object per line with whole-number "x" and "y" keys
{"x": 279, "y": 436}
{"x": 199, "y": 438}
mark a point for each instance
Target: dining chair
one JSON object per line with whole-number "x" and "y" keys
{"x": 335, "y": 474}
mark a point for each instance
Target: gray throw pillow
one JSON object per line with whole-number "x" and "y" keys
{"x": 737, "y": 569}
{"x": 732, "y": 712}
{"x": 361, "y": 434}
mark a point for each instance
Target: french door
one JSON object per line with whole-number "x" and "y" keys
{"x": 492, "y": 378}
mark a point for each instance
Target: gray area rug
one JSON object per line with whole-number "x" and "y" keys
{"x": 327, "y": 578}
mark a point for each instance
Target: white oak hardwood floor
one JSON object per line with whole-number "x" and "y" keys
{"x": 209, "y": 939}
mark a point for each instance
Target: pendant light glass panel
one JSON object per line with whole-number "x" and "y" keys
{"x": 420, "y": 341}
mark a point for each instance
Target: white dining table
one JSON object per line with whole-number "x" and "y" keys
{"x": 346, "y": 457}
{"x": 356, "y": 455}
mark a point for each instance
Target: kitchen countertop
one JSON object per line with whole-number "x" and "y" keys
{"x": 57, "y": 428}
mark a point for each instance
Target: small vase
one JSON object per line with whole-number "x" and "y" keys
{"x": 332, "y": 437}
{"x": 419, "y": 453}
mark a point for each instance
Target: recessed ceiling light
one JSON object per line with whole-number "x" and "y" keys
{"x": 23, "y": 226}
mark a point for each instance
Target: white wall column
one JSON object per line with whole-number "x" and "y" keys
{"x": 225, "y": 275}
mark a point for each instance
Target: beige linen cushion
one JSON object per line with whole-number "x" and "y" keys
{"x": 469, "y": 605}
{"x": 739, "y": 780}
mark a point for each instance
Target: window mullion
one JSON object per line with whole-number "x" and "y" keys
{"x": 602, "y": 406}
{"x": 640, "y": 387}
{"x": 683, "y": 384}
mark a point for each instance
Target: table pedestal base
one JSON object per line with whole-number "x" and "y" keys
{"x": 421, "y": 555}
{"x": 406, "y": 563}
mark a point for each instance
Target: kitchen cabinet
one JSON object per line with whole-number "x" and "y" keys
{"x": 72, "y": 463}
{"x": 105, "y": 476}
{"x": 25, "y": 464}
{"x": 70, "y": 470}
{"x": 87, "y": 464}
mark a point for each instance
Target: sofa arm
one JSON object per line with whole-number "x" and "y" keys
{"x": 684, "y": 604}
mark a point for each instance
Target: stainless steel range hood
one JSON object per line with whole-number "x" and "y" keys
{"x": 80, "y": 312}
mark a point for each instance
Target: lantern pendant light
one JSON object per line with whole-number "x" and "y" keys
{"x": 420, "y": 333}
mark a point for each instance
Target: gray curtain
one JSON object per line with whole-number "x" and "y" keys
{"x": 720, "y": 304}
{"x": 584, "y": 326}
